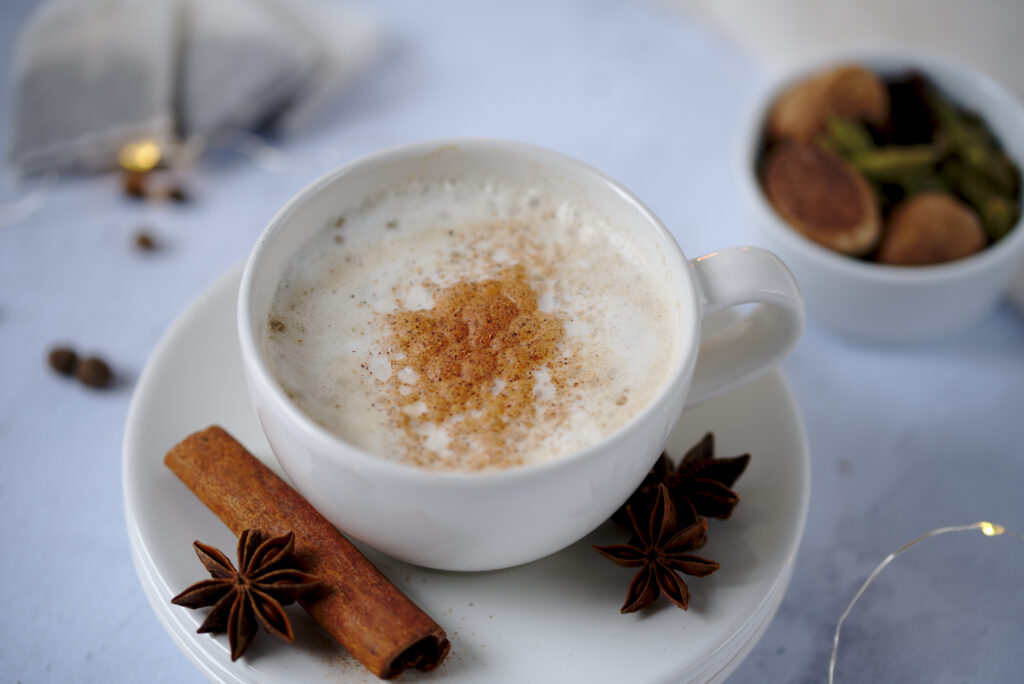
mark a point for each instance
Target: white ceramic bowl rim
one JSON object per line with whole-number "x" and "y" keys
{"x": 894, "y": 60}
{"x": 333, "y": 445}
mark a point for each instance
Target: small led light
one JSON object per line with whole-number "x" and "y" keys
{"x": 139, "y": 156}
{"x": 990, "y": 530}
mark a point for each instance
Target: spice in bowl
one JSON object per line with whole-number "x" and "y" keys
{"x": 886, "y": 170}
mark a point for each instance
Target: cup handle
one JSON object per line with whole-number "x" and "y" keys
{"x": 752, "y": 344}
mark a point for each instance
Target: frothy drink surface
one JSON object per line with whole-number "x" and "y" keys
{"x": 470, "y": 325}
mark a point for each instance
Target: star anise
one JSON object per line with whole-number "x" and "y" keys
{"x": 255, "y": 593}
{"x": 658, "y": 548}
{"x": 701, "y": 482}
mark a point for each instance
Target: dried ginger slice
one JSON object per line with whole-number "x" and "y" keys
{"x": 823, "y": 197}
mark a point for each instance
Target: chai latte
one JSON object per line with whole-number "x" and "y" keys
{"x": 468, "y": 325}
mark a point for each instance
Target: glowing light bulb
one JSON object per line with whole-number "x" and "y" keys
{"x": 139, "y": 156}
{"x": 991, "y": 530}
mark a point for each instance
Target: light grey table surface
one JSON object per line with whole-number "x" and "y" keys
{"x": 903, "y": 439}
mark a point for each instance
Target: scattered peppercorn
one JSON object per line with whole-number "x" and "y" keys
{"x": 145, "y": 241}
{"x": 134, "y": 184}
{"x": 63, "y": 360}
{"x": 94, "y": 372}
{"x": 178, "y": 194}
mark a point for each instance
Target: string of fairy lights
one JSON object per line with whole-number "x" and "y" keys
{"x": 986, "y": 528}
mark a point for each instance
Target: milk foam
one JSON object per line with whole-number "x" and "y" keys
{"x": 327, "y": 330}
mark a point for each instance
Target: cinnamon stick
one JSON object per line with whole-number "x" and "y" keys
{"x": 355, "y": 603}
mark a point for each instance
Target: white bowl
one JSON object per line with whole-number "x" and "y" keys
{"x": 894, "y": 302}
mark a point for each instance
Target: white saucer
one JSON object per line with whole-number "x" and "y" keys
{"x": 556, "y": 619}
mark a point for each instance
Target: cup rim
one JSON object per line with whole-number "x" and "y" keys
{"x": 334, "y": 445}
{"x": 883, "y": 59}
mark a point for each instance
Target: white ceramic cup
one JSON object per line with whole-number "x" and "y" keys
{"x": 879, "y": 301}
{"x": 495, "y": 519}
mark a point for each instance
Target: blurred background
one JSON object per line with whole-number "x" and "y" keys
{"x": 147, "y": 143}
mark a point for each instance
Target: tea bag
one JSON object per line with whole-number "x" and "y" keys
{"x": 243, "y": 62}
{"x": 351, "y": 38}
{"x": 67, "y": 53}
{"x": 92, "y": 76}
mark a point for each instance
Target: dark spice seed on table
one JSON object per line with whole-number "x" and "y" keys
{"x": 134, "y": 184}
{"x": 178, "y": 194}
{"x": 63, "y": 360}
{"x": 94, "y": 372}
{"x": 145, "y": 241}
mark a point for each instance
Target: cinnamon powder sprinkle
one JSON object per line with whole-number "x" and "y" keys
{"x": 474, "y": 355}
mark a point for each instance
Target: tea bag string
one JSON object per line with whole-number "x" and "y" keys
{"x": 987, "y": 528}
